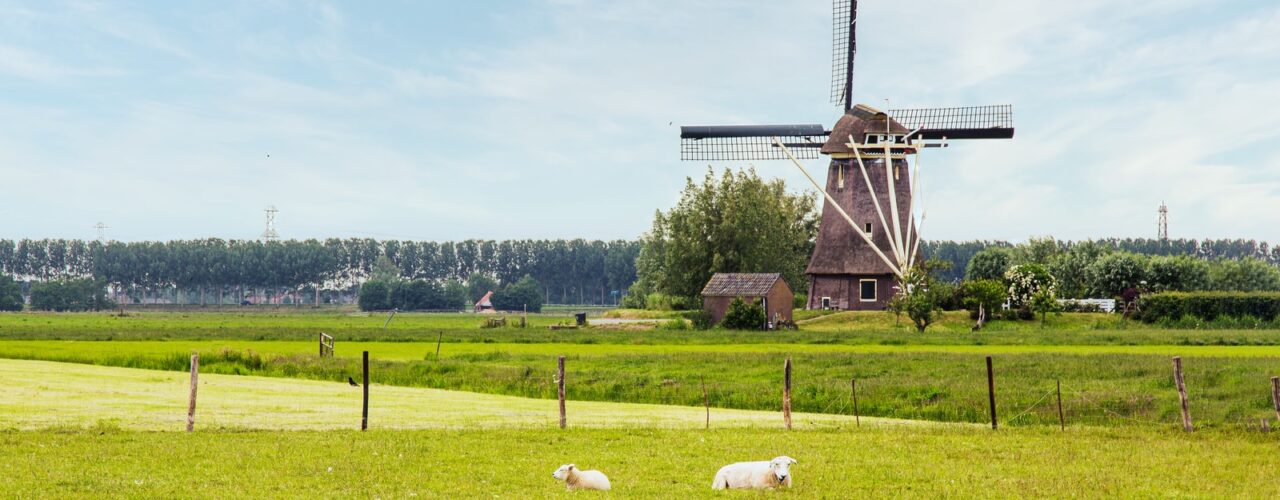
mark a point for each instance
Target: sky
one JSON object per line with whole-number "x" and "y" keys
{"x": 447, "y": 120}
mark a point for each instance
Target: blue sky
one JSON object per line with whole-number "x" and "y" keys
{"x": 559, "y": 118}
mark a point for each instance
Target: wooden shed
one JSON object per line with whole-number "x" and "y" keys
{"x": 752, "y": 287}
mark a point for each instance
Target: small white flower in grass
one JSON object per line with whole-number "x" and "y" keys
{"x": 330, "y": 469}
{"x": 137, "y": 482}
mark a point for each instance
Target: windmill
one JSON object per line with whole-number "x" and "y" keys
{"x": 868, "y": 237}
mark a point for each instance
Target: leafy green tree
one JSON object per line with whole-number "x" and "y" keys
{"x": 743, "y": 315}
{"x": 1070, "y": 268}
{"x": 1179, "y": 273}
{"x": 478, "y": 285}
{"x": 1243, "y": 275}
{"x": 1114, "y": 273}
{"x": 989, "y": 264}
{"x": 70, "y": 295}
{"x": 10, "y": 294}
{"x": 988, "y": 295}
{"x": 375, "y": 295}
{"x": 1043, "y": 303}
{"x": 736, "y": 223}
{"x": 517, "y": 296}
{"x": 455, "y": 295}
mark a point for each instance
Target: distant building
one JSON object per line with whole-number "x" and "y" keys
{"x": 485, "y": 304}
{"x": 768, "y": 288}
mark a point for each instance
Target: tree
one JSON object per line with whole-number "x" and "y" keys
{"x": 70, "y": 295}
{"x": 1070, "y": 268}
{"x": 1178, "y": 273}
{"x": 375, "y": 295}
{"x": 1043, "y": 303}
{"x": 1112, "y": 274}
{"x": 743, "y": 315}
{"x": 455, "y": 295}
{"x": 1243, "y": 275}
{"x": 478, "y": 285}
{"x": 989, "y": 264}
{"x": 984, "y": 295}
{"x": 923, "y": 295}
{"x": 736, "y": 223}
{"x": 10, "y": 294}
{"x": 525, "y": 293}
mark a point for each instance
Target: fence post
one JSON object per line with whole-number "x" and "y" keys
{"x": 1182, "y": 393}
{"x": 706, "y": 401}
{"x": 853, "y": 394}
{"x": 560, "y": 384}
{"x": 1275, "y": 395}
{"x": 991, "y": 391}
{"x": 364, "y": 412}
{"x": 438, "y": 339}
{"x": 191, "y": 399}
{"x": 786, "y": 393}
{"x": 320, "y": 338}
{"x": 1062, "y": 418}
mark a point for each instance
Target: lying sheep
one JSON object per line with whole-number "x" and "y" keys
{"x": 577, "y": 479}
{"x": 771, "y": 474}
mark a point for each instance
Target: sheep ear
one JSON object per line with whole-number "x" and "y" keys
{"x": 571, "y": 467}
{"x": 794, "y": 461}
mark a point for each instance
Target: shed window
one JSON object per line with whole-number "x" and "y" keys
{"x": 867, "y": 290}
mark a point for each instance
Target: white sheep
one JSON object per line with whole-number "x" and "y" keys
{"x": 578, "y": 479}
{"x": 770, "y": 474}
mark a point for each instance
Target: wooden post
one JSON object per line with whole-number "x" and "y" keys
{"x": 991, "y": 391}
{"x": 853, "y": 394}
{"x": 364, "y": 412}
{"x": 706, "y": 401}
{"x": 560, "y": 384}
{"x": 1275, "y": 395}
{"x": 320, "y": 338}
{"x": 1062, "y": 418}
{"x": 1182, "y": 393}
{"x": 191, "y": 399}
{"x": 438, "y": 339}
{"x": 786, "y": 393}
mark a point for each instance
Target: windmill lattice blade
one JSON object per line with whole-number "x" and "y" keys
{"x": 974, "y": 122}
{"x": 843, "y": 47}
{"x": 749, "y": 142}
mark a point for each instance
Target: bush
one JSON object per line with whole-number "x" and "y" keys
{"x": 1208, "y": 306}
{"x": 701, "y": 320}
{"x": 10, "y": 294}
{"x": 525, "y": 293}
{"x": 800, "y": 301}
{"x": 743, "y": 316}
{"x": 1026, "y": 280}
{"x": 375, "y": 295}
{"x": 70, "y": 295}
{"x": 418, "y": 295}
{"x": 1111, "y": 275}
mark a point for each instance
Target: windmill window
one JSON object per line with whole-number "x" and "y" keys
{"x": 826, "y": 302}
{"x": 867, "y": 290}
{"x": 866, "y": 228}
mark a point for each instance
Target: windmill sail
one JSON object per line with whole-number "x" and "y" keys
{"x": 843, "y": 46}
{"x": 974, "y": 122}
{"x": 749, "y": 142}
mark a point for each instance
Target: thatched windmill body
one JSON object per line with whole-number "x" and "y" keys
{"x": 868, "y": 237}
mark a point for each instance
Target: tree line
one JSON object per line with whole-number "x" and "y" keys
{"x": 568, "y": 271}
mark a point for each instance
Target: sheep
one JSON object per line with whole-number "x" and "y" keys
{"x": 578, "y": 479}
{"x": 770, "y": 474}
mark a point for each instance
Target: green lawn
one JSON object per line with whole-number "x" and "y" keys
{"x": 39, "y": 395}
{"x": 871, "y": 462}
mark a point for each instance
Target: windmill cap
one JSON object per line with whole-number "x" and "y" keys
{"x": 859, "y": 121}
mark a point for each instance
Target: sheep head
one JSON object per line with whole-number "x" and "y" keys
{"x": 563, "y": 472}
{"x": 781, "y": 468}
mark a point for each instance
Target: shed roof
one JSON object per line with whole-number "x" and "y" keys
{"x": 740, "y": 284}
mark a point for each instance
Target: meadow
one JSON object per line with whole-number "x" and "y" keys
{"x": 88, "y": 398}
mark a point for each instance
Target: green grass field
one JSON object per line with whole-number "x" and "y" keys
{"x": 648, "y": 463}
{"x": 273, "y": 418}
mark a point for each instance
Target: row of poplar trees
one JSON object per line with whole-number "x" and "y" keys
{"x": 570, "y": 271}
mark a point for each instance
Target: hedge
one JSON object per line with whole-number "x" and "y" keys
{"x": 1174, "y": 306}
